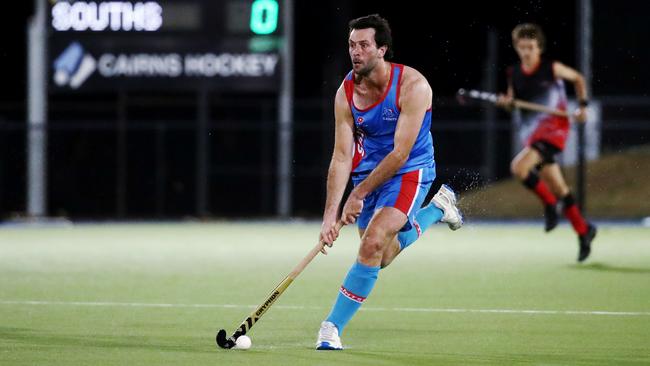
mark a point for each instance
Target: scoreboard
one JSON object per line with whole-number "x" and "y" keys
{"x": 173, "y": 44}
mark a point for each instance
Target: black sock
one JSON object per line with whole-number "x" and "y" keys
{"x": 531, "y": 180}
{"x": 568, "y": 200}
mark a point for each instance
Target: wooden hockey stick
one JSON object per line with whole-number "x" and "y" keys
{"x": 464, "y": 94}
{"x": 247, "y": 324}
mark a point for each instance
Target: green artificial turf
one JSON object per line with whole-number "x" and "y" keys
{"x": 484, "y": 295}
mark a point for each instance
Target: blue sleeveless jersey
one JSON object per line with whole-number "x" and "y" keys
{"x": 374, "y": 130}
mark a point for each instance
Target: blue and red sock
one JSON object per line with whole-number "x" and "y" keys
{"x": 424, "y": 218}
{"x": 356, "y": 287}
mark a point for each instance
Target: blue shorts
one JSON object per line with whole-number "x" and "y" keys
{"x": 405, "y": 192}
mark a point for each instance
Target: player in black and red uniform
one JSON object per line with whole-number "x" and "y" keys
{"x": 539, "y": 80}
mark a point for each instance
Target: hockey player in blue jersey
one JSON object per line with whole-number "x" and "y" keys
{"x": 382, "y": 140}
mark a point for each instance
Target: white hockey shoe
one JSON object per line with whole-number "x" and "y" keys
{"x": 445, "y": 199}
{"x": 328, "y": 337}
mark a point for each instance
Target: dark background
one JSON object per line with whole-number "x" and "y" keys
{"x": 445, "y": 41}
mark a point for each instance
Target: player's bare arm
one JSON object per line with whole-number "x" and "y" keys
{"x": 416, "y": 96}
{"x": 569, "y": 74}
{"x": 340, "y": 165}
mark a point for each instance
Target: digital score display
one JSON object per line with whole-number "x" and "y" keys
{"x": 182, "y": 44}
{"x": 241, "y": 16}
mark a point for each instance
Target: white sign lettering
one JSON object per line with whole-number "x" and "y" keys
{"x": 227, "y": 64}
{"x": 146, "y": 65}
{"x": 107, "y": 15}
{"x": 192, "y": 65}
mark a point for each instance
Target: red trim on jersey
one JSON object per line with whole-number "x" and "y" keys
{"x": 390, "y": 82}
{"x": 407, "y": 190}
{"x": 358, "y": 154}
{"x": 399, "y": 85}
{"x": 357, "y": 148}
{"x": 399, "y": 88}
{"x": 351, "y": 296}
{"x": 533, "y": 70}
{"x": 348, "y": 86}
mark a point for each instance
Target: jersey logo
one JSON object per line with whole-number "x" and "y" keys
{"x": 359, "y": 136}
{"x": 360, "y": 120}
{"x": 388, "y": 114}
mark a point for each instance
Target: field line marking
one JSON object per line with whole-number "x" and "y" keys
{"x": 290, "y": 307}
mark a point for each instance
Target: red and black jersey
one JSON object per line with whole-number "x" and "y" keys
{"x": 542, "y": 87}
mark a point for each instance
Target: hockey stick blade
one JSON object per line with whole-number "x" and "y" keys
{"x": 224, "y": 342}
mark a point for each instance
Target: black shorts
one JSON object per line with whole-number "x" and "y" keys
{"x": 547, "y": 150}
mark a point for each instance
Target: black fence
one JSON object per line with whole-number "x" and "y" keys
{"x": 152, "y": 158}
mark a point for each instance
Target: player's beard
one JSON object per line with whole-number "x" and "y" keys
{"x": 366, "y": 69}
